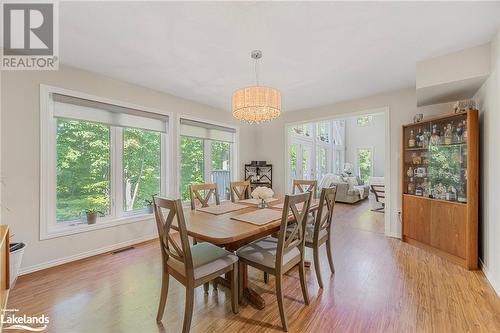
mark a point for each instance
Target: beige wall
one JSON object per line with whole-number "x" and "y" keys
{"x": 20, "y": 147}
{"x": 402, "y": 106}
{"x": 489, "y": 131}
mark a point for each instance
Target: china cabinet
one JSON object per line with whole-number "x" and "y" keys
{"x": 440, "y": 186}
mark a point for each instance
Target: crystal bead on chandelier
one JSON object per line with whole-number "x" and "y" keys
{"x": 256, "y": 104}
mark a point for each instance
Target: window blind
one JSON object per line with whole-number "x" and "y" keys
{"x": 75, "y": 108}
{"x": 208, "y": 131}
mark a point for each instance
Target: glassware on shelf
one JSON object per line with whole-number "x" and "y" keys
{"x": 411, "y": 186}
{"x": 435, "y": 136}
{"x": 435, "y": 158}
{"x": 411, "y": 140}
{"x": 448, "y": 134}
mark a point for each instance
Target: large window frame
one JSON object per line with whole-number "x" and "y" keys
{"x": 313, "y": 140}
{"x": 235, "y": 147}
{"x": 49, "y": 227}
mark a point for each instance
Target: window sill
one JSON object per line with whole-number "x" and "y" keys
{"x": 71, "y": 229}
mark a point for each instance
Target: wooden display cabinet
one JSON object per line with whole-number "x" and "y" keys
{"x": 439, "y": 163}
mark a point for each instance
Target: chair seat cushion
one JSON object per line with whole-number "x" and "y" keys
{"x": 207, "y": 259}
{"x": 263, "y": 252}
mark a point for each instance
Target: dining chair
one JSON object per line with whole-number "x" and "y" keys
{"x": 304, "y": 185}
{"x": 279, "y": 255}
{"x": 319, "y": 232}
{"x": 240, "y": 190}
{"x": 193, "y": 265}
{"x": 203, "y": 193}
{"x": 379, "y": 192}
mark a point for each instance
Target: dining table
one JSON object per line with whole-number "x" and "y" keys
{"x": 232, "y": 234}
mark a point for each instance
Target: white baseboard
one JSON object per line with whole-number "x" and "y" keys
{"x": 83, "y": 255}
{"x": 489, "y": 276}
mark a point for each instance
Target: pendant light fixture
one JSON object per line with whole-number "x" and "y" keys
{"x": 256, "y": 104}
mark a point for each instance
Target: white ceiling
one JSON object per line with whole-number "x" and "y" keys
{"x": 315, "y": 53}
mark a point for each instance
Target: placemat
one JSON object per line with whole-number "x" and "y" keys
{"x": 259, "y": 217}
{"x": 314, "y": 202}
{"x": 222, "y": 209}
{"x": 256, "y": 201}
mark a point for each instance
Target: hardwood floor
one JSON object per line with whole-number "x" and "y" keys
{"x": 380, "y": 285}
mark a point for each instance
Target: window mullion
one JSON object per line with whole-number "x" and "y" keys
{"x": 207, "y": 144}
{"x": 117, "y": 171}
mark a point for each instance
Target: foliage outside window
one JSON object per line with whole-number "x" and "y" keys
{"x": 194, "y": 152}
{"x": 365, "y": 163}
{"x": 141, "y": 167}
{"x": 364, "y": 121}
{"x": 192, "y": 164}
{"x": 83, "y": 168}
{"x": 221, "y": 163}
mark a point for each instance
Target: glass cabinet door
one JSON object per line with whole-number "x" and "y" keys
{"x": 435, "y": 159}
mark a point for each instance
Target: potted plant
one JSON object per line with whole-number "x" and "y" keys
{"x": 92, "y": 215}
{"x": 149, "y": 205}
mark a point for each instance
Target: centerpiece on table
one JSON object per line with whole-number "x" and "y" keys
{"x": 262, "y": 193}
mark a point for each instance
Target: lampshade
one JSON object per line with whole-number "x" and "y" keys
{"x": 256, "y": 104}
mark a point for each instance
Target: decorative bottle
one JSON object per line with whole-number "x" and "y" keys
{"x": 448, "y": 135}
{"x": 411, "y": 140}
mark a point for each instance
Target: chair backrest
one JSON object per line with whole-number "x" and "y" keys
{"x": 203, "y": 193}
{"x": 324, "y": 214}
{"x": 169, "y": 246}
{"x": 379, "y": 191}
{"x": 288, "y": 239}
{"x": 304, "y": 185}
{"x": 240, "y": 190}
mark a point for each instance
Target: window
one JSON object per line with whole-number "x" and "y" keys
{"x": 365, "y": 163}
{"x": 321, "y": 162}
{"x": 100, "y": 156}
{"x": 304, "y": 130}
{"x": 141, "y": 167}
{"x": 206, "y": 156}
{"x": 364, "y": 121}
{"x": 323, "y": 132}
{"x": 321, "y": 151}
{"x": 83, "y": 168}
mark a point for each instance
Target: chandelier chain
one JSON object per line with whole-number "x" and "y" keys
{"x": 257, "y": 71}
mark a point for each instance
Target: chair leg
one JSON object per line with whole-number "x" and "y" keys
{"x": 188, "y": 311}
{"x": 316, "y": 265}
{"x": 279, "y": 295}
{"x": 303, "y": 285}
{"x": 240, "y": 281}
{"x": 266, "y": 277}
{"x": 206, "y": 287}
{"x": 234, "y": 289}
{"x": 163, "y": 296}
{"x": 329, "y": 254}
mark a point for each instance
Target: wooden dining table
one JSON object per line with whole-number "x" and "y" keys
{"x": 232, "y": 234}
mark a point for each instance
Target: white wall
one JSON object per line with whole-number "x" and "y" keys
{"x": 489, "y": 130}
{"x": 20, "y": 147}
{"x": 402, "y": 106}
{"x": 372, "y": 136}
